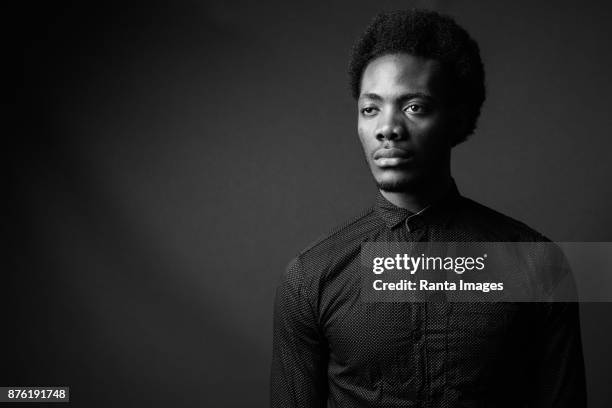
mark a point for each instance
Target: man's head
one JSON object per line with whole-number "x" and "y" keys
{"x": 419, "y": 83}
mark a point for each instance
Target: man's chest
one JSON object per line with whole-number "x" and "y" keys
{"x": 413, "y": 343}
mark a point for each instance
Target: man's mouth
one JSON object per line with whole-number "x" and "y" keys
{"x": 392, "y": 157}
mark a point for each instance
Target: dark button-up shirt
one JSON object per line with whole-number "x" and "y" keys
{"x": 333, "y": 349}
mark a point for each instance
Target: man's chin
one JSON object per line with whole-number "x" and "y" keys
{"x": 398, "y": 180}
{"x": 396, "y": 185}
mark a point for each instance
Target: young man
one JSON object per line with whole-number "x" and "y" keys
{"x": 419, "y": 84}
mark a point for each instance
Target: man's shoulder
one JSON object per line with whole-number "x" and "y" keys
{"x": 492, "y": 225}
{"x": 352, "y": 230}
{"x": 340, "y": 241}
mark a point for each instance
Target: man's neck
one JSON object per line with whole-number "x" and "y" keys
{"x": 417, "y": 199}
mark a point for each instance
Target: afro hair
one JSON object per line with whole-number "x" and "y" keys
{"x": 425, "y": 34}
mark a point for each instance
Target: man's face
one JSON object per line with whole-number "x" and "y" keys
{"x": 405, "y": 124}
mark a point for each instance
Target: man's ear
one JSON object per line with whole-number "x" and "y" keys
{"x": 459, "y": 124}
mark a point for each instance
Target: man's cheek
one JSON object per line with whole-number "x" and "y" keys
{"x": 366, "y": 143}
{"x": 361, "y": 131}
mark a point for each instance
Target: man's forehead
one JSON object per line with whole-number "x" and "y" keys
{"x": 400, "y": 73}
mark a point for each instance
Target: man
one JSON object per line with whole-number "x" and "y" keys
{"x": 419, "y": 84}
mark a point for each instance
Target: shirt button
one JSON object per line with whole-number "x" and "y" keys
{"x": 417, "y": 334}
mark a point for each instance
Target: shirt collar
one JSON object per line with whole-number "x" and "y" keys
{"x": 437, "y": 213}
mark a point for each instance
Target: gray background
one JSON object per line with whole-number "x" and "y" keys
{"x": 174, "y": 157}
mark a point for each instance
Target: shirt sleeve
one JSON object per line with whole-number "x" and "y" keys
{"x": 299, "y": 353}
{"x": 560, "y": 374}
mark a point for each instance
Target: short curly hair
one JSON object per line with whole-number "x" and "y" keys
{"x": 426, "y": 34}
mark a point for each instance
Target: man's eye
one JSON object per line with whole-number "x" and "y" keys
{"x": 415, "y": 108}
{"x": 368, "y": 111}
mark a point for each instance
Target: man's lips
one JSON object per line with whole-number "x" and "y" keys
{"x": 392, "y": 157}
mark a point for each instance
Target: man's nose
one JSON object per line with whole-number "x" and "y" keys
{"x": 391, "y": 130}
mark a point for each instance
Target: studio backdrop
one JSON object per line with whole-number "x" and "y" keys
{"x": 174, "y": 156}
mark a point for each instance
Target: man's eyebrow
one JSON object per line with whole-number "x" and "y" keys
{"x": 401, "y": 97}
{"x": 372, "y": 96}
